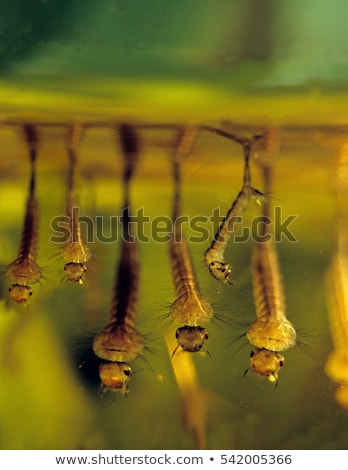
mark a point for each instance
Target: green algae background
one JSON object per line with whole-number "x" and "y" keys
{"x": 253, "y": 63}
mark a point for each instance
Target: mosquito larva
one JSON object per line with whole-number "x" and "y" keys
{"x": 214, "y": 256}
{"x": 75, "y": 252}
{"x": 190, "y": 308}
{"x": 120, "y": 342}
{"x": 271, "y": 333}
{"x": 24, "y": 270}
{"x": 336, "y": 366}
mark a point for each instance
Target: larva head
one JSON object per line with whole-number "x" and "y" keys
{"x": 75, "y": 271}
{"x": 191, "y": 338}
{"x": 218, "y": 269}
{"x": 115, "y": 376}
{"x": 266, "y": 363}
{"x": 20, "y": 294}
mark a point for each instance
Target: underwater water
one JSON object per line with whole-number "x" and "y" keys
{"x": 50, "y": 382}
